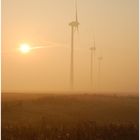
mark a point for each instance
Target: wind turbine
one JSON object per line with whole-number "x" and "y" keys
{"x": 92, "y": 62}
{"x": 74, "y": 25}
{"x": 99, "y": 71}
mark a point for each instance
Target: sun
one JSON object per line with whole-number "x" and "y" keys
{"x": 25, "y": 48}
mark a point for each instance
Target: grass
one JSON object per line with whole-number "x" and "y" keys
{"x": 69, "y": 117}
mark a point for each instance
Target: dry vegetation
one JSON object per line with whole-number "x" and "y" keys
{"x": 69, "y": 117}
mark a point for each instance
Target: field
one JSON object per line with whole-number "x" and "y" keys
{"x": 69, "y": 117}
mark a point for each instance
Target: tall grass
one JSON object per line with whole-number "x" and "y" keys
{"x": 79, "y": 131}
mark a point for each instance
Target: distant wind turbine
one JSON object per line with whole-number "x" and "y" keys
{"x": 92, "y": 62}
{"x": 74, "y": 25}
{"x": 99, "y": 71}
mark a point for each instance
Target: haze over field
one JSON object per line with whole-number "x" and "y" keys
{"x": 113, "y": 24}
{"x": 69, "y": 117}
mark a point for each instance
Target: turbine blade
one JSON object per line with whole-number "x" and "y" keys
{"x": 76, "y": 14}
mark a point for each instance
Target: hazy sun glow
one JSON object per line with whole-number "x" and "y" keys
{"x": 25, "y": 48}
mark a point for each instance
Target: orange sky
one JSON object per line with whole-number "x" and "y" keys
{"x": 113, "y": 24}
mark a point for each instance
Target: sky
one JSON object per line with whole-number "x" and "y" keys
{"x": 113, "y": 24}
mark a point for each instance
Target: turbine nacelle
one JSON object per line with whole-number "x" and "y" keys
{"x": 74, "y": 24}
{"x": 93, "y": 48}
{"x": 100, "y": 58}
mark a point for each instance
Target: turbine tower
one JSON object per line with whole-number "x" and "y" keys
{"x": 99, "y": 71}
{"x": 74, "y": 25}
{"x": 92, "y": 63}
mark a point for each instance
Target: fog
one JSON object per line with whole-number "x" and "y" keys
{"x": 112, "y": 24}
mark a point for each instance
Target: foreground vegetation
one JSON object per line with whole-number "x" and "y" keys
{"x": 81, "y": 131}
{"x": 71, "y": 117}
